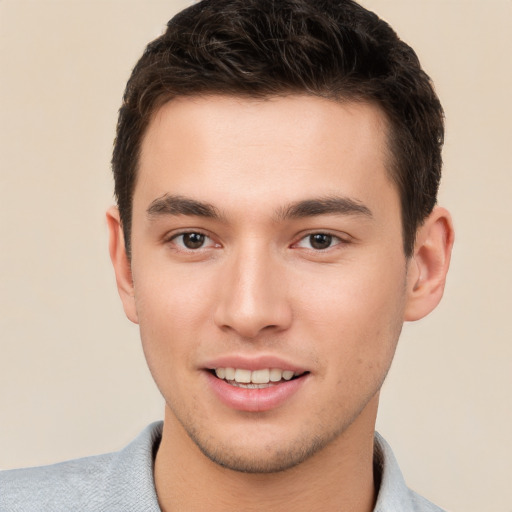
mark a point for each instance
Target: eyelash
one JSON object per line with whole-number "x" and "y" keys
{"x": 333, "y": 241}
{"x": 182, "y": 246}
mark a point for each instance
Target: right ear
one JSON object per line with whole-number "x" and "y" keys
{"x": 121, "y": 263}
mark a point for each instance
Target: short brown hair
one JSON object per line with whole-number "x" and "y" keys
{"x": 334, "y": 49}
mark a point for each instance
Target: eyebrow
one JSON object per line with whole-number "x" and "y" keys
{"x": 180, "y": 205}
{"x": 324, "y": 206}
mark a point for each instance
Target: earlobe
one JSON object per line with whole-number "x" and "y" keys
{"x": 121, "y": 263}
{"x": 428, "y": 266}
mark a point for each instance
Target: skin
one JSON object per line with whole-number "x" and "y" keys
{"x": 257, "y": 287}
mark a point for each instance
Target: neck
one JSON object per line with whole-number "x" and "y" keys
{"x": 339, "y": 477}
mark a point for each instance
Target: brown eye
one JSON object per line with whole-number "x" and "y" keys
{"x": 320, "y": 241}
{"x": 193, "y": 240}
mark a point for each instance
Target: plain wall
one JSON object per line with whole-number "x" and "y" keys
{"x": 73, "y": 380}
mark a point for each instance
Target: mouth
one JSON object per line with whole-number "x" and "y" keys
{"x": 255, "y": 385}
{"x": 255, "y": 379}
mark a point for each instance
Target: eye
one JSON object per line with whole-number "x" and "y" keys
{"x": 192, "y": 241}
{"x": 319, "y": 241}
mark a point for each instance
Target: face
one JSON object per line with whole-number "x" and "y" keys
{"x": 269, "y": 279}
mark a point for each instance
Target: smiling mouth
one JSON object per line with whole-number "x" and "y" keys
{"x": 255, "y": 379}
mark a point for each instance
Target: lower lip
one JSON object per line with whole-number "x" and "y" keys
{"x": 254, "y": 400}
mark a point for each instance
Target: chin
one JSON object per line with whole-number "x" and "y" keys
{"x": 262, "y": 460}
{"x": 262, "y": 452}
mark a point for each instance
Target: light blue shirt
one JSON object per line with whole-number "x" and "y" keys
{"x": 123, "y": 482}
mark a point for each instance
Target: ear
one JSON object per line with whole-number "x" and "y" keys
{"x": 121, "y": 263}
{"x": 428, "y": 266}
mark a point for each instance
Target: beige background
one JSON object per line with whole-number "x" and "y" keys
{"x": 72, "y": 376}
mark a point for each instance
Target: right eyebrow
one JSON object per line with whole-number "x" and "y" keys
{"x": 180, "y": 205}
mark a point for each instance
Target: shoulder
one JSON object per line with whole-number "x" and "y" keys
{"x": 67, "y": 484}
{"x": 394, "y": 495}
{"x": 421, "y": 504}
{"x": 114, "y": 481}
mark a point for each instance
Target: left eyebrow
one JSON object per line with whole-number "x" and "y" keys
{"x": 323, "y": 206}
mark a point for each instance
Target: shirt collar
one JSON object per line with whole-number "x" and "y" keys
{"x": 393, "y": 495}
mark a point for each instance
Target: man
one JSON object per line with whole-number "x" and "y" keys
{"x": 276, "y": 169}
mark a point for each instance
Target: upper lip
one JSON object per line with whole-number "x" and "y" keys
{"x": 253, "y": 363}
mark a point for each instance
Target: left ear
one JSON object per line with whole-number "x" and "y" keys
{"x": 428, "y": 266}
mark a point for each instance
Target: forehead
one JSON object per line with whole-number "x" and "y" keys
{"x": 221, "y": 147}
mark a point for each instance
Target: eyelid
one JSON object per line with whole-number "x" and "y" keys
{"x": 171, "y": 237}
{"x": 343, "y": 239}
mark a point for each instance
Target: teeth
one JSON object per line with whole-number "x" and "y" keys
{"x": 275, "y": 375}
{"x": 263, "y": 376}
{"x": 243, "y": 376}
{"x": 260, "y": 376}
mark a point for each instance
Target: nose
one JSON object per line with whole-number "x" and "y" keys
{"x": 253, "y": 298}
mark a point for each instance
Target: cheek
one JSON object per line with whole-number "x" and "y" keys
{"x": 351, "y": 292}
{"x": 169, "y": 296}
{"x": 356, "y": 314}
{"x": 172, "y": 310}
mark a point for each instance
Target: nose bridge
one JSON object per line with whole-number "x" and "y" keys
{"x": 253, "y": 295}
